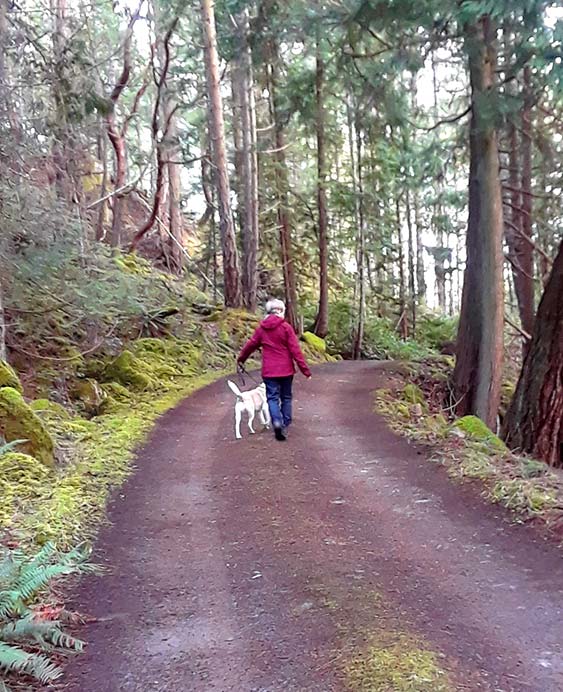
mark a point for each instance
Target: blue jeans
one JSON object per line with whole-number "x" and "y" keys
{"x": 278, "y": 393}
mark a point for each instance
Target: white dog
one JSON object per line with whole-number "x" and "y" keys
{"x": 253, "y": 401}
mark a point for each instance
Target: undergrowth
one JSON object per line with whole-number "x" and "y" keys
{"x": 469, "y": 450}
{"x": 30, "y": 634}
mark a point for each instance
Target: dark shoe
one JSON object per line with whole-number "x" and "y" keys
{"x": 280, "y": 434}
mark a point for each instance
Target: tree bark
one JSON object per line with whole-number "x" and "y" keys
{"x": 403, "y": 325}
{"x": 321, "y": 321}
{"x": 3, "y": 350}
{"x": 358, "y": 190}
{"x": 477, "y": 374}
{"x": 248, "y": 164}
{"x": 534, "y": 420}
{"x": 282, "y": 188}
{"x": 217, "y": 133}
{"x": 411, "y": 263}
{"x": 420, "y": 272}
{"x": 525, "y": 254}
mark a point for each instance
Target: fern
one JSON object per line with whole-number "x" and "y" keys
{"x": 16, "y": 660}
{"x": 22, "y": 630}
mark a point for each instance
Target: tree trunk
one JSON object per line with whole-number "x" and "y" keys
{"x": 403, "y": 325}
{"x": 358, "y": 189}
{"x": 321, "y": 322}
{"x": 534, "y": 420}
{"x": 477, "y": 374}
{"x": 217, "y": 134}
{"x": 412, "y": 278}
{"x": 282, "y": 187}
{"x": 172, "y": 155}
{"x": 248, "y": 166}
{"x": 525, "y": 254}
{"x": 3, "y": 350}
{"x": 420, "y": 272}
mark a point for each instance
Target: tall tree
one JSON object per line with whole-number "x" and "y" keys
{"x": 233, "y": 297}
{"x": 248, "y": 161}
{"x": 534, "y": 420}
{"x": 477, "y": 374}
{"x": 321, "y": 321}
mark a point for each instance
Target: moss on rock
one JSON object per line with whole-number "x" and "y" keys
{"x": 129, "y": 371}
{"x": 477, "y": 430}
{"x": 9, "y": 378}
{"x": 315, "y": 342}
{"x": 18, "y": 421}
{"x": 116, "y": 391}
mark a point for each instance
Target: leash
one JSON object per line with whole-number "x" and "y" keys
{"x": 241, "y": 372}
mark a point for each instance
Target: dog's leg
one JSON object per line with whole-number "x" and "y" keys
{"x": 265, "y": 415}
{"x": 237, "y": 420}
{"x": 251, "y": 414}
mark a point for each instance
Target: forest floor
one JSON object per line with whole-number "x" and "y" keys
{"x": 340, "y": 559}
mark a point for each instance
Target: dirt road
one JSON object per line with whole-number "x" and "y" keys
{"x": 259, "y": 566}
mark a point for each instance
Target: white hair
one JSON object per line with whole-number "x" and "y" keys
{"x": 275, "y": 307}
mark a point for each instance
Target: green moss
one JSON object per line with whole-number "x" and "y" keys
{"x": 129, "y": 371}
{"x": 413, "y": 394}
{"x": 9, "y": 378}
{"x": 315, "y": 342}
{"x": 49, "y": 409}
{"x": 19, "y": 422}
{"x": 133, "y": 264}
{"x": 22, "y": 478}
{"x": 394, "y": 662}
{"x": 71, "y": 508}
{"x": 90, "y": 395}
{"x": 476, "y": 430}
{"x": 116, "y": 391}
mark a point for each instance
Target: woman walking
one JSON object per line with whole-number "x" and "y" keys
{"x": 280, "y": 350}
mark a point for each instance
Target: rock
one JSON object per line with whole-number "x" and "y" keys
{"x": 18, "y": 421}
{"x": 475, "y": 429}
{"x": 90, "y": 395}
{"x": 129, "y": 372}
{"x": 314, "y": 342}
{"x": 9, "y": 378}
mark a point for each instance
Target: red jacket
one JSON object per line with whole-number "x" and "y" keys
{"x": 279, "y": 347}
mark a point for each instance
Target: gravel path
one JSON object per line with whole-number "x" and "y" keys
{"x": 258, "y": 566}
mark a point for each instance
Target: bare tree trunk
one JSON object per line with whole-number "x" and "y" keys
{"x": 420, "y": 272}
{"x": 403, "y": 325}
{"x": 358, "y": 188}
{"x": 321, "y": 321}
{"x": 217, "y": 133}
{"x": 282, "y": 187}
{"x": 248, "y": 183}
{"x": 412, "y": 279}
{"x": 172, "y": 154}
{"x": 534, "y": 420}
{"x": 3, "y": 350}
{"x": 477, "y": 374}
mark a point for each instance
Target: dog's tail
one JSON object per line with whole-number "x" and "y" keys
{"x": 234, "y": 389}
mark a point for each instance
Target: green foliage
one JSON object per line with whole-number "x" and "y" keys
{"x": 19, "y": 422}
{"x": 24, "y": 628}
{"x": 129, "y": 371}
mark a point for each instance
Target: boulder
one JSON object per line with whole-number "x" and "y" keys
{"x": 18, "y": 421}
{"x": 9, "y": 378}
